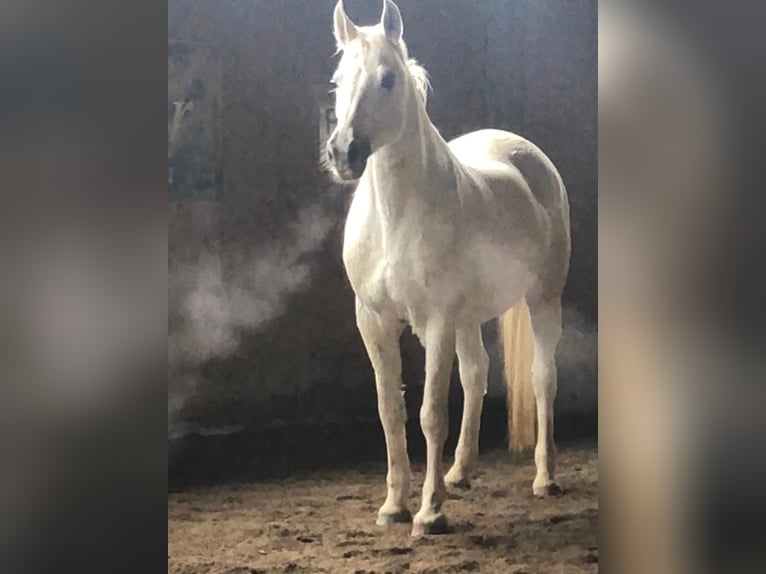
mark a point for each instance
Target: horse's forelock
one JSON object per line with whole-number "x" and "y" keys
{"x": 417, "y": 72}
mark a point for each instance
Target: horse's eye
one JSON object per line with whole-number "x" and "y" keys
{"x": 387, "y": 80}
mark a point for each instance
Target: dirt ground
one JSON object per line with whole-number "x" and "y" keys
{"x": 325, "y": 522}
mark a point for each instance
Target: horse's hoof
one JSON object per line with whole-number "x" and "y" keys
{"x": 459, "y": 483}
{"x": 550, "y": 489}
{"x": 437, "y": 525}
{"x": 456, "y": 479}
{"x": 389, "y": 518}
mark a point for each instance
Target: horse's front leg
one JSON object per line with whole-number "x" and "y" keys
{"x": 440, "y": 353}
{"x": 381, "y": 339}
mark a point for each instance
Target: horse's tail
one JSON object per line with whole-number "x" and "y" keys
{"x": 518, "y": 351}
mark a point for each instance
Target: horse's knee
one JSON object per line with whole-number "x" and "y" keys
{"x": 433, "y": 422}
{"x": 392, "y": 414}
{"x": 391, "y": 408}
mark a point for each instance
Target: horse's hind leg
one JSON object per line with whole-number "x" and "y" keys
{"x": 546, "y": 325}
{"x": 381, "y": 339}
{"x": 474, "y": 366}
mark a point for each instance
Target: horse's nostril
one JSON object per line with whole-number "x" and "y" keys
{"x": 353, "y": 152}
{"x": 364, "y": 149}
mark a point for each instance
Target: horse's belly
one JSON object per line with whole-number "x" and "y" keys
{"x": 496, "y": 276}
{"x": 500, "y": 289}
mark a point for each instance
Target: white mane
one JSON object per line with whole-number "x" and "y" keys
{"x": 417, "y": 72}
{"x": 419, "y": 76}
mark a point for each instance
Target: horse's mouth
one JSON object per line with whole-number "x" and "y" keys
{"x": 351, "y": 173}
{"x": 348, "y": 162}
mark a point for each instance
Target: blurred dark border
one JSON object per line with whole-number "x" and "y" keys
{"x": 83, "y": 484}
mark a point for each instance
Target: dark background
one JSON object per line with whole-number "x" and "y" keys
{"x": 526, "y": 66}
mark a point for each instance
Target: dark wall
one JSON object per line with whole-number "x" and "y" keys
{"x": 527, "y": 66}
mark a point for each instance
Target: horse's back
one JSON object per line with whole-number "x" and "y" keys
{"x": 482, "y": 149}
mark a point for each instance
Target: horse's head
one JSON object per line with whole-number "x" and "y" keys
{"x": 371, "y": 94}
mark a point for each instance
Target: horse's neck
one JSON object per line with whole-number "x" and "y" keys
{"x": 416, "y": 172}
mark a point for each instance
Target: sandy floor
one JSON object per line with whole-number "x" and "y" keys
{"x": 325, "y": 522}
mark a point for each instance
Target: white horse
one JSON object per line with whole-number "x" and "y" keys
{"x": 443, "y": 237}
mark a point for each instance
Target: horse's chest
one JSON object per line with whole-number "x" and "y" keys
{"x": 397, "y": 269}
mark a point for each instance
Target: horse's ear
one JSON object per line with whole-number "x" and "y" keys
{"x": 391, "y": 19}
{"x": 344, "y": 29}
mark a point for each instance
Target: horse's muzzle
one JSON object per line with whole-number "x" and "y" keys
{"x": 350, "y": 163}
